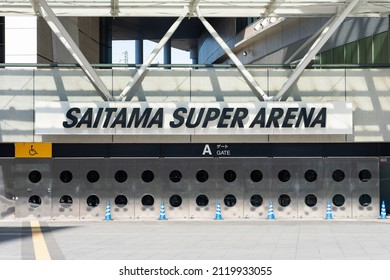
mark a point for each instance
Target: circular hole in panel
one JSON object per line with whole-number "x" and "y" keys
{"x": 284, "y": 175}
{"x": 284, "y": 200}
{"x": 202, "y": 200}
{"x": 66, "y": 201}
{"x": 147, "y": 176}
{"x": 230, "y": 176}
{"x": 256, "y": 176}
{"x": 35, "y": 201}
{"x": 310, "y": 175}
{"x": 310, "y": 200}
{"x": 147, "y": 200}
{"x": 175, "y": 176}
{"x": 35, "y": 176}
{"x": 121, "y": 200}
{"x": 66, "y": 176}
{"x": 365, "y": 200}
{"x": 175, "y": 200}
{"x": 230, "y": 200}
{"x": 365, "y": 175}
{"x": 120, "y": 176}
{"x": 338, "y": 175}
{"x": 93, "y": 176}
{"x": 202, "y": 176}
{"x": 93, "y": 200}
{"x": 338, "y": 200}
{"x": 256, "y": 200}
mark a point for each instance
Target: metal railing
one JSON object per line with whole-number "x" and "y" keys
{"x": 193, "y": 66}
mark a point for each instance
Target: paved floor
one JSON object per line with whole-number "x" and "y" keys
{"x": 201, "y": 240}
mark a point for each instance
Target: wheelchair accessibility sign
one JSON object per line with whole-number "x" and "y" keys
{"x": 33, "y": 150}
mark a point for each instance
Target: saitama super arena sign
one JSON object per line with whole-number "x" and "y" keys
{"x": 190, "y": 118}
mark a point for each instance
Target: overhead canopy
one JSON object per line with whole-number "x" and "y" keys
{"x": 209, "y": 8}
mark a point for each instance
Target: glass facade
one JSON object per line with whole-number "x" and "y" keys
{"x": 370, "y": 50}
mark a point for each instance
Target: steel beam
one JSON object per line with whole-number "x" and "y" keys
{"x": 309, "y": 41}
{"x": 128, "y": 92}
{"x": 257, "y": 90}
{"x": 316, "y": 47}
{"x": 60, "y": 31}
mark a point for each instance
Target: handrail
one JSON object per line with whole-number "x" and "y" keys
{"x": 196, "y": 66}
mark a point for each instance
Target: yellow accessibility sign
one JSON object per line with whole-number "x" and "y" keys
{"x": 33, "y": 150}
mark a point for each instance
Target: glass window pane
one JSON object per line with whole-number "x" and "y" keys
{"x": 380, "y": 43}
{"x": 351, "y": 53}
{"x": 365, "y": 50}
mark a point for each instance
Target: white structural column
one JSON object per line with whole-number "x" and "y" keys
{"x": 260, "y": 94}
{"x": 71, "y": 46}
{"x": 141, "y": 72}
{"x": 316, "y": 47}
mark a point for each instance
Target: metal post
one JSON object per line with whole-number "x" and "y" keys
{"x": 168, "y": 53}
{"x": 139, "y": 51}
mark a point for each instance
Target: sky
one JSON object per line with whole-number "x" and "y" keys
{"x": 120, "y": 47}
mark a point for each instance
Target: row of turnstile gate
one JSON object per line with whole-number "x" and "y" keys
{"x": 190, "y": 187}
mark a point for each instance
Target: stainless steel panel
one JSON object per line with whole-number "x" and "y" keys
{"x": 230, "y": 178}
{"x": 341, "y": 188}
{"x": 7, "y": 189}
{"x": 365, "y": 188}
{"x": 120, "y": 187}
{"x": 147, "y": 182}
{"x": 38, "y": 191}
{"x": 176, "y": 177}
{"x": 65, "y": 190}
{"x": 93, "y": 194}
{"x": 206, "y": 189}
{"x": 280, "y": 190}
{"x": 311, "y": 202}
{"x": 257, "y": 182}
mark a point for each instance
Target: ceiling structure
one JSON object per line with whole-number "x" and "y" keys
{"x": 209, "y": 8}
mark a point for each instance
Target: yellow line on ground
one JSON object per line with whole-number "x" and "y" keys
{"x": 40, "y": 248}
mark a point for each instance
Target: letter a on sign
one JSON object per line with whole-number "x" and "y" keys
{"x": 207, "y": 150}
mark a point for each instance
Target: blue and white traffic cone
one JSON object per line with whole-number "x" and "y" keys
{"x": 162, "y": 212}
{"x": 218, "y": 214}
{"x": 271, "y": 215}
{"x": 383, "y": 211}
{"x": 107, "y": 217}
{"x": 329, "y": 215}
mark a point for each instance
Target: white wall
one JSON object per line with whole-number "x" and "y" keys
{"x": 20, "y": 39}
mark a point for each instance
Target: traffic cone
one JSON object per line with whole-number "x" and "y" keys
{"x": 328, "y": 212}
{"x": 271, "y": 215}
{"x": 218, "y": 214}
{"x": 162, "y": 212}
{"x": 383, "y": 211}
{"x": 107, "y": 217}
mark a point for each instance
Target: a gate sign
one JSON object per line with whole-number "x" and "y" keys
{"x": 191, "y": 118}
{"x": 33, "y": 150}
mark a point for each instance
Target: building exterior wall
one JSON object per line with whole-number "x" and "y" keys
{"x": 85, "y": 33}
{"x": 365, "y": 89}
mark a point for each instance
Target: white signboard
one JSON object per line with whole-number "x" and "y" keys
{"x": 171, "y": 118}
